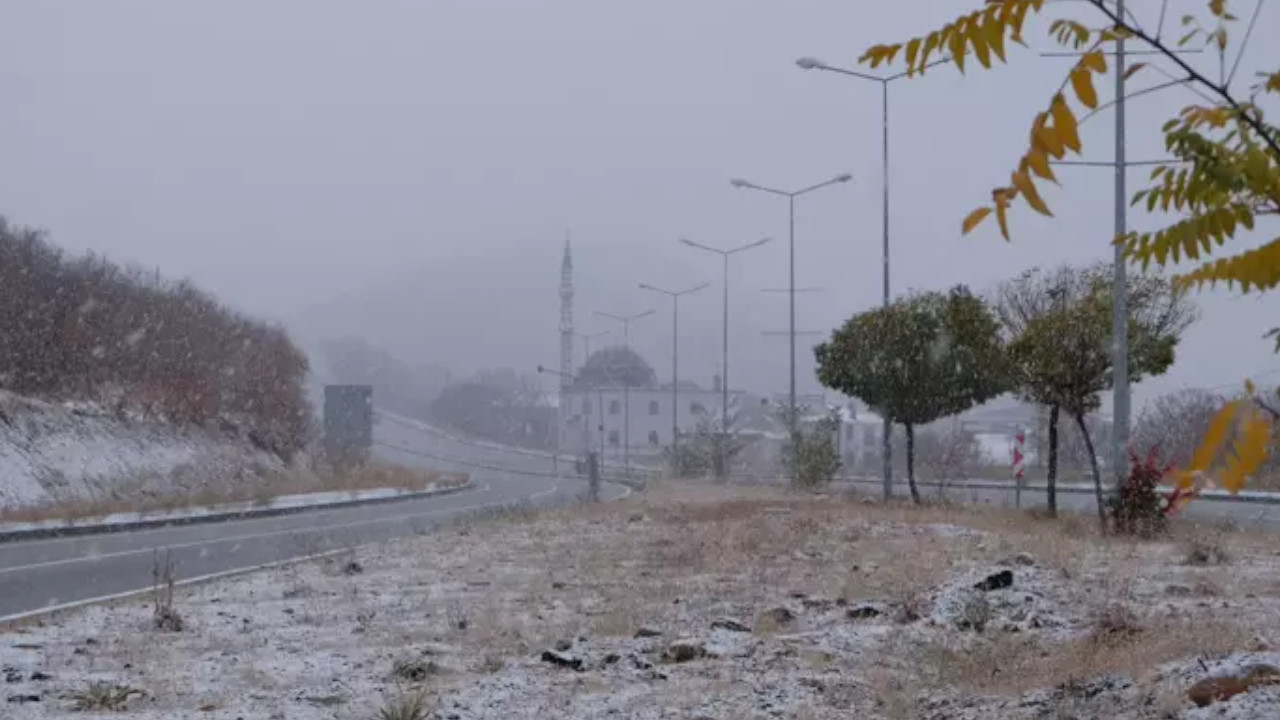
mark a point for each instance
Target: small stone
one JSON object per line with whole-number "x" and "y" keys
{"x": 995, "y": 581}
{"x": 1260, "y": 644}
{"x": 729, "y": 624}
{"x": 352, "y": 568}
{"x": 865, "y": 611}
{"x": 637, "y": 517}
{"x": 816, "y": 604}
{"x": 1225, "y": 687}
{"x": 1024, "y": 559}
{"x": 23, "y": 699}
{"x": 648, "y": 632}
{"x": 561, "y": 659}
{"x": 38, "y": 676}
{"x": 1177, "y": 590}
{"x": 779, "y": 615}
{"x": 557, "y": 585}
{"x": 686, "y": 649}
{"x": 563, "y": 645}
{"x": 799, "y": 594}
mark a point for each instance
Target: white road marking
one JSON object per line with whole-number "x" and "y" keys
{"x": 180, "y": 583}
{"x": 319, "y": 511}
{"x": 258, "y": 536}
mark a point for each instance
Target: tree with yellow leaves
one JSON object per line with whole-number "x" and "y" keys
{"x": 1224, "y": 175}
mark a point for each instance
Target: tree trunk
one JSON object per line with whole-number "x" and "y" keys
{"x": 1097, "y": 476}
{"x": 1051, "y": 481}
{"x": 911, "y": 462}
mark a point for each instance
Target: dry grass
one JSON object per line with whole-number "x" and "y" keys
{"x": 501, "y": 587}
{"x": 260, "y": 493}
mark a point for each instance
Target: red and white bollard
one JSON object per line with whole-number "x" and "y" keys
{"x": 1019, "y": 443}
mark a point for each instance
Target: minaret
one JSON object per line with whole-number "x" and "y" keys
{"x": 566, "y": 328}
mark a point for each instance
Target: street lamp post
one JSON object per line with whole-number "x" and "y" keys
{"x": 791, "y": 283}
{"x": 808, "y": 63}
{"x": 675, "y": 358}
{"x": 626, "y": 321}
{"x": 722, "y": 470}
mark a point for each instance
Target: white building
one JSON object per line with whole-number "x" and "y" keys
{"x": 611, "y": 419}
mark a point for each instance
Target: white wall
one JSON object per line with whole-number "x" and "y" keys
{"x": 649, "y": 432}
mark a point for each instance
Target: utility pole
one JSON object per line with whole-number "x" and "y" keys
{"x": 791, "y": 268}
{"x": 1121, "y": 406}
{"x": 793, "y": 408}
{"x": 722, "y": 468}
{"x": 626, "y": 321}
{"x": 1119, "y": 282}
{"x": 675, "y": 360}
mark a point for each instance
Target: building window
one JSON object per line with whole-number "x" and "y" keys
{"x": 653, "y": 407}
{"x": 586, "y": 407}
{"x": 615, "y": 407}
{"x": 653, "y": 437}
{"x": 697, "y": 408}
{"x": 613, "y": 438}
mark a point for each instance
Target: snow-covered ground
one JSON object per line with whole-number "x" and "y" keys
{"x": 53, "y": 453}
{"x": 693, "y": 602}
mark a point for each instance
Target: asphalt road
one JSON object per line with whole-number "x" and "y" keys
{"x": 44, "y": 574}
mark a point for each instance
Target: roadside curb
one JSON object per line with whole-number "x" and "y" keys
{"x": 74, "y": 530}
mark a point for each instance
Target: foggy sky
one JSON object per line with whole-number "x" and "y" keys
{"x": 407, "y": 170}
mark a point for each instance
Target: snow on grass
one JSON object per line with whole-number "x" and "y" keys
{"x": 691, "y": 602}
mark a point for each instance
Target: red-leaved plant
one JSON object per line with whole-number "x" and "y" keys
{"x": 1139, "y": 508}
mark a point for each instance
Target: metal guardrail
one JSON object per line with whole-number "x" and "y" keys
{"x": 1244, "y": 496}
{"x": 615, "y": 472}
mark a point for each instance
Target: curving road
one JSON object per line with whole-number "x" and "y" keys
{"x": 38, "y": 576}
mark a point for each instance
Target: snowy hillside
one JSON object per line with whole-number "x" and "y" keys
{"x": 54, "y": 453}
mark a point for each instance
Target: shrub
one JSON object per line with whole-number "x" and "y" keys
{"x": 812, "y": 458}
{"x": 1138, "y": 508}
{"x": 85, "y": 328}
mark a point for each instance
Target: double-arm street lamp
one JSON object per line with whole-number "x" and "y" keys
{"x": 675, "y": 358}
{"x": 791, "y": 284}
{"x": 722, "y": 468}
{"x": 626, "y": 321}
{"x": 808, "y": 63}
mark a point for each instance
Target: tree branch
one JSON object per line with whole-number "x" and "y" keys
{"x": 1220, "y": 90}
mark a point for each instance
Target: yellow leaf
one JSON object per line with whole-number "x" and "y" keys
{"x": 930, "y": 44}
{"x": 1038, "y": 161}
{"x": 1133, "y": 69}
{"x": 1064, "y": 122}
{"x": 1221, "y": 37}
{"x": 955, "y": 44}
{"x": 1250, "y": 388}
{"x": 1082, "y": 83}
{"x": 994, "y": 29}
{"x": 1001, "y": 198}
{"x": 1027, "y": 187}
{"x": 972, "y": 220}
{"x": 1095, "y": 61}
{"x": 1251, "y": 451}
{"x": 979, "y": 40}
{"x": 1218, "y": 7}
{"x": 1049, "y": 140}
{"x": 1214, "y": 437}
{"x": 913, "y": 50}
